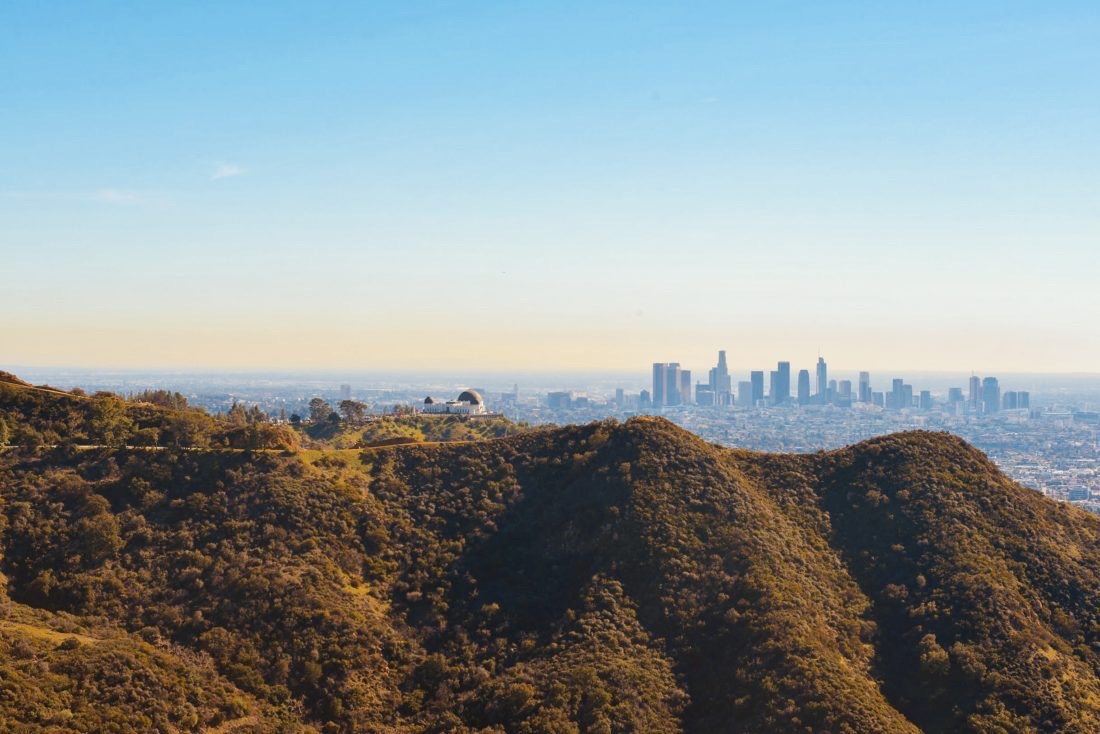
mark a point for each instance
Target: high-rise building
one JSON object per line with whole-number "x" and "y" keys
{"x": 757, "y": 379}
{"x": 822, "y": 380}
{"x": 897, "y": 394}
{"x": 773, "y": 387}
{"x": 954, "y": 396}
{"x": 1023, "y": 399}
{"x": 667, "y": 384}
{"x": 720, "y": 383}
{"x": 659, "y": 370}
{"x": 844, "y": 390}
{"x": 645, "y": 400}
{"x": 685, "y": 387}
{"x": 345, "y": 392}
{"x": 925, "y": 400}
{"x": 975, "y": 392}
{"x": 783, "y": 383}
{"x": 1010, "y": 400}
{"x": 704, "y": 395}
{"x": 864, "y": 387}
{"x": 803, "y": 387}
{"x": 620, "y": 397}
{"x": 744, "y": 394}
{"x": 991, "y": 395}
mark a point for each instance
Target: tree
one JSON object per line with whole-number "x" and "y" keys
{"x": 353, "y": 411}
{"x": 5, "y": 434}
{"x": 110, "y": 423}
{"x": 319, "y": 410}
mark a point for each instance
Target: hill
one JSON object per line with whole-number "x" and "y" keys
{"x": 600, "y": 578}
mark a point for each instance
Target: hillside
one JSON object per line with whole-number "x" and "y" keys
{"x": 600, "y": 578}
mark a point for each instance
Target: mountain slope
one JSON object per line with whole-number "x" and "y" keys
{"x": 600, "y": 578}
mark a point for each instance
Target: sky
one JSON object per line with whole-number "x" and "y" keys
{"x": 566, "y": 185}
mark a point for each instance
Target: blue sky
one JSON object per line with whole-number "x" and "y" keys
{"x": 566, "y": 185}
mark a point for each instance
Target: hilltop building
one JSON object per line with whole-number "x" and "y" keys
{"x": 469, "y": 402}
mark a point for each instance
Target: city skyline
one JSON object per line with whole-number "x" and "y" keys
{"x": 219, "y": 186}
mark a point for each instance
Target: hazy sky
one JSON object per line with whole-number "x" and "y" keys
{"x": 505, "y": 185}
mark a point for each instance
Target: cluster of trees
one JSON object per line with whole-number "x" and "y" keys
{"x": 600, "y": 578}
{"x": 32, "y": 417}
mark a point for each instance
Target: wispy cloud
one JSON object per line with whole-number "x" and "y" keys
{"x": 119, "y": 196}
{"x": 223, "y": 169}
{"x": 108, "y": 196}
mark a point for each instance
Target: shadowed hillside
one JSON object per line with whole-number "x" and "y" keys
{"x": 599, "y": 578}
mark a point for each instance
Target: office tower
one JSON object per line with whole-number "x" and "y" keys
{"x": 954, "y": 395}
{"x": 757, "y": 379}
{"x": 975, "y": 392}
{"x": 672, "y": 384}
{"x": 704, "y": 395}
{"x": 1023, "y": 399}
{"x": 991, "y": 395}
{"x": 864, "y": 387}
{"x": 685, "y": 387}
{"x": 659, "y": 371}
{"x": 1009, "y": 400}
{"x": 515, "y": 391}
{"x": 878, "y": 399}
{"x": 783, "y": 373}
{"x": 744, "y": 394}
{"x": 620, "y": 397}
{"x": 830, "y": 393}
{"x": 720, "y": 383}
{"x": 907, "y": 396}
{"x": 897, "y": 394}
{"x": 645, "y": 400}
{"x": 822, "y": 380}
{"x": 925, "y": 400}
{"x": 803, "y": 387}
{"x": 773, "y": 387}
{"x": 345, "y": 392}
{"x": 844, "y": 390}
{"x": 560, "y": 400}
{"x": 667, "y": 384}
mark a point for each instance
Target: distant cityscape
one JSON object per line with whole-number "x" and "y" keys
{"x": 1043, "y": 431}
{"x": 672, "y": 387}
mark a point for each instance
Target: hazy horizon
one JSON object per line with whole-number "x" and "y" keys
{"x": 568, "y": 187}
